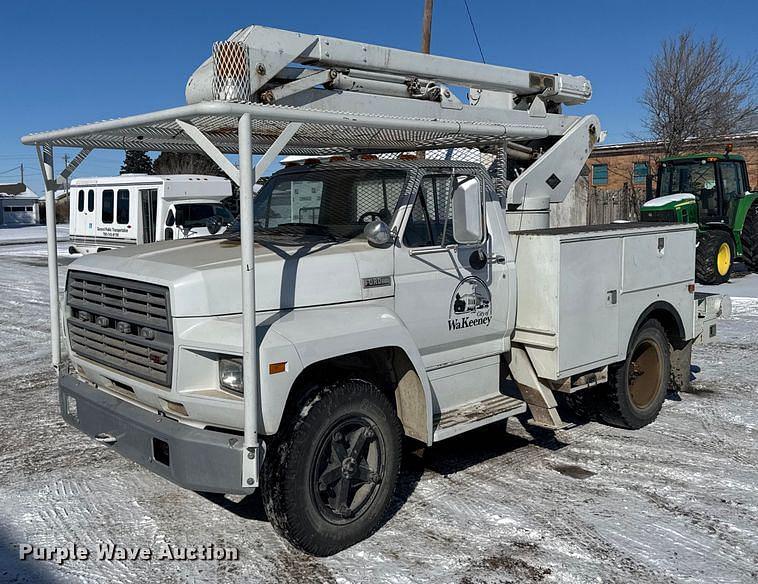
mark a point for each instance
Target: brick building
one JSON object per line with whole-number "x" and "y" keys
{"x": 618, "y": 167}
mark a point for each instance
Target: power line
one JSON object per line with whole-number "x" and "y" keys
{"x": 473, "y": 28}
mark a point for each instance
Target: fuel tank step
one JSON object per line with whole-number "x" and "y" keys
{"x": 472, "y": 415}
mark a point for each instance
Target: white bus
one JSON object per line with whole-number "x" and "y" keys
{"x": 130, "y": 209}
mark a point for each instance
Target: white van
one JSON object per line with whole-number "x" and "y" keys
{"x": 110, "y": 212}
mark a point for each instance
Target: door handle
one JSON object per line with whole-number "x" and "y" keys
{"x": 105, "y": 438}
{"x": 498, "y": 259}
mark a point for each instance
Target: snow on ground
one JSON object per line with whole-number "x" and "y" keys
{"x": 674, "y": 502}
{"x": 30, "y": 234}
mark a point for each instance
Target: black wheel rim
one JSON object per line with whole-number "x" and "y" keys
{"x": 348, "y": 469}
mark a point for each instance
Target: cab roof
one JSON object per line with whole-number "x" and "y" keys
{"x": 701, "y": 156}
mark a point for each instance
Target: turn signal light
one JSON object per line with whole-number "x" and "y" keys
{"x": 274, "y": 368}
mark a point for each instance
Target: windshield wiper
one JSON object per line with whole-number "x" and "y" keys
{"x": 313, "y": 226}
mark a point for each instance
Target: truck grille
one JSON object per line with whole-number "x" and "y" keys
{"x": 122, "y": 324}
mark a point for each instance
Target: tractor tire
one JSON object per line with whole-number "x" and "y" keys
{"x": 713, "y": 257}
{"x": 638, "y": 385}
{"x": 330, "y": 474}
{"x": 750, "y": 239}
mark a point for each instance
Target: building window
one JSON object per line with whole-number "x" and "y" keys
{"x": 639, "y": 175}
{"x": 599, "y": 174}
{"x": 107, "y": 211}
{"x": 122, "y": 206}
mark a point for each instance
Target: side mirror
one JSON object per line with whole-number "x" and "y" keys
{"x": 378, "y": 233}
{"x": 468, "y": 215}
{"x": 214, "y": 224}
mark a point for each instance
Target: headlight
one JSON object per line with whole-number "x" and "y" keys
{"x": 230, "y": 373}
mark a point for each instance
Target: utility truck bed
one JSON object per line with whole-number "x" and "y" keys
{"x": 582, "y": 289}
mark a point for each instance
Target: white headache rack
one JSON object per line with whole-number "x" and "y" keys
{"x": 272, "y": 92}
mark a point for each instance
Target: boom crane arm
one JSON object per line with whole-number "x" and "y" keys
{"x": 271, "y": 50}
{"x": 316, "y": 72}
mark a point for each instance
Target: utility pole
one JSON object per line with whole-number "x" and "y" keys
{"x": 426, "y": 28}
{"x": 22, "y": 173}
{"x": 426, "y": 41}
{"x": 65, "y": 165}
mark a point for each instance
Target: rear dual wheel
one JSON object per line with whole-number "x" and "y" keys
{"x": 638, "y": 386}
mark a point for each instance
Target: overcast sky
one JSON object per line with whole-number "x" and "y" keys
{"x": 68, "y": 63}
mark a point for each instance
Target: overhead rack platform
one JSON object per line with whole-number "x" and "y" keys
{"x": 322, "y": 132}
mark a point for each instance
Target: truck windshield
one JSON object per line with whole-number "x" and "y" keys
{"x": 329, "y": 204}
{"x": 190, "y": 215}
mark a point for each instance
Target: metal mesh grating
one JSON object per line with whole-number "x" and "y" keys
{"x": 231, "y": 71}
{"x": 320, "y": 134}
{"x": 492, "y": 157}
{"x": 330, "y": 200}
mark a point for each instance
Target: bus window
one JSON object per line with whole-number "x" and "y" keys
{"x": 80, "y": 204}
{"x": 122, "y": 206}
{"x": 107, "y": 214}
{"x": 90, "y": 200}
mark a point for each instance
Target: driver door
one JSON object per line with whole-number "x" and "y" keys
{"x": 454, "y": 304}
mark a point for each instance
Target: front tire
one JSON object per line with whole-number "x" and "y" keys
{"x": 638, "y": 386}
{"x": 713, "y": 258}
{"x": 750, "y": 238}
{"x": 329, "y": 479}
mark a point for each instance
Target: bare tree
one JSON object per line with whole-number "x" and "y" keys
{"x": 696, "y": 91}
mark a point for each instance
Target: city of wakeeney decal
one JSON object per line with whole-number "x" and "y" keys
{"x": 471, "y": 305}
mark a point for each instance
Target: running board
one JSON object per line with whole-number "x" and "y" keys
{"x": 472, "y": 415}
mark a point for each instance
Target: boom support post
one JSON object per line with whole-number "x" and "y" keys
{"x": 250, "y": 366}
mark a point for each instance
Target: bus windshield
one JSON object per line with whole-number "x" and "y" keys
{"x": 189, "y": 215}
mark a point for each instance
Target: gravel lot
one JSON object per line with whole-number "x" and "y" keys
{"x": 674, "y": 502}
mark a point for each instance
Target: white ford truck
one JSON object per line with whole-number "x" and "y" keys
{"x": 360, "y": 301}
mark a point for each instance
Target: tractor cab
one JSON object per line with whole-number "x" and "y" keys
{"x": 717, "y": 181}
{"x": 711, "y": 190}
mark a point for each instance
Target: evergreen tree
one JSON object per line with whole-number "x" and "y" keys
{"x": 137, "y": 161}
{"x": 185, "y": 163}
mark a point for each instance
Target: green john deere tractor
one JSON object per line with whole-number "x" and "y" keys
{"x": 710, "y": 190}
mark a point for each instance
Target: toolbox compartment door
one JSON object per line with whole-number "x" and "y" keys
{"x": 589, "y": 302}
